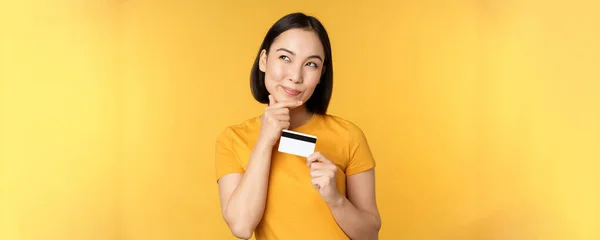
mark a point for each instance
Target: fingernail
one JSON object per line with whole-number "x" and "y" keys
{"x": 299, "y": 102}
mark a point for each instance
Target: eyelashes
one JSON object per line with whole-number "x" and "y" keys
{"x": 313, "y": 64}
{"x": 284, "y": 57}
{"x": 310, "y": 64}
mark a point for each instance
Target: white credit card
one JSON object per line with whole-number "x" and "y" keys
{"x": 297, "y": 143}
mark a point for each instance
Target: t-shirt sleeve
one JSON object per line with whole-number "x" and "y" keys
{"x": 361, "y": 158}
{"x": 225, "y": 158}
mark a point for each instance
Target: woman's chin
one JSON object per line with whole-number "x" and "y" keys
{"x": 285, "y": 97}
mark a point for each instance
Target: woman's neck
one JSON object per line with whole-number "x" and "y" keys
{"x": 299, "y": 116}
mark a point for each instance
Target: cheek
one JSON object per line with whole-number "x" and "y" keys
{"x": 274, "y": 72}
{"x": 311, "y": 81}
{"x": 273, "y": 75}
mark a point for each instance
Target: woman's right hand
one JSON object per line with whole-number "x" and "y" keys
{"x": 275, "y": 118}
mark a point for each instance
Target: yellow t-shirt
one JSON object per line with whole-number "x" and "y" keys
{"x": 294, "y": 209}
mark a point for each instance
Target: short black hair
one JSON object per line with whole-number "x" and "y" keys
{"x": 319, "y": 101}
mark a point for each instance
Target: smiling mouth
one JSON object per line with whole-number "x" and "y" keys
{"x": 290, "y": 91}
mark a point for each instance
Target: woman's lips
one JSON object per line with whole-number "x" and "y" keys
{"x": 291, "y": 92}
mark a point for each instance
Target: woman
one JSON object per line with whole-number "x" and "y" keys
{"x": 327, "y": 195}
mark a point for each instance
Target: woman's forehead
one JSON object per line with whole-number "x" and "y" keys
{"x": 299, "y": 41}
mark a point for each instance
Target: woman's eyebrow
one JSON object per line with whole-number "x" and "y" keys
{"x": 315, "y": 56}
{"x": 285, "y": 50}
{"x": 290, "y": 52}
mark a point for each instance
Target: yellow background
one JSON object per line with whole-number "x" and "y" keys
{"x": 484, "y": 116}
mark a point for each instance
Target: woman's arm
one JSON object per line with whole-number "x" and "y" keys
{"x": 358, "y": 215}
{"x": 243, "y": 196}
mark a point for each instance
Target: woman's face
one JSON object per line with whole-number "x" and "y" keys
{"x": 293, "y": 66}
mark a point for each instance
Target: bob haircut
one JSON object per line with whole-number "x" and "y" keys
{"x": 319, "y": 101}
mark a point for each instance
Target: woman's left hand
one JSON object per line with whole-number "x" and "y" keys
{"x": 323, "y": 173}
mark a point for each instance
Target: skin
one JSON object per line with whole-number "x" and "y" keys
{"x": 295, "y": 63}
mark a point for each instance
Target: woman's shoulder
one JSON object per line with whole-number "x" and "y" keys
{"x": 336, "y": 121}
{"x": 341, "y": 121}
{"x": 349, "y": 131}
{"x": 240, "y": 129}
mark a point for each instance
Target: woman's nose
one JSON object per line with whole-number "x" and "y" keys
{"x": 295, "y": 75}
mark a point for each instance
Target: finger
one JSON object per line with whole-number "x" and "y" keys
{"x": 312, "y": 158}
{"x": 286, "y": 104}
{"x": 284, "y": 124}
{"x": 314, "y": 155}
{"x": 318, "y": 166}
{"x": 277, "y": 114}
{"x": 317, "y": 156}
{"x": 320, "y": 182}
{"x": 322, "y": 173}
{"x": 281, "y": 117}
{"x": 281, "y": 111}
{"x": 271, "y": 100}
{"x": 316, "y": 183}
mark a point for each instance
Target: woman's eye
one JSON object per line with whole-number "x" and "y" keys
{"x": 284, "y": 57}
{"x": 312, "y": 64}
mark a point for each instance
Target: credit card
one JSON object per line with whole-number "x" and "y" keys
{"x": 297, "y": 143}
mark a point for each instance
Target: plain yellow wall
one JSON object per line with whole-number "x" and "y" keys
{"x": 484, "y": 116}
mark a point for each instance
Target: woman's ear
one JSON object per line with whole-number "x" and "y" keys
{"x": 262, "y": 62}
